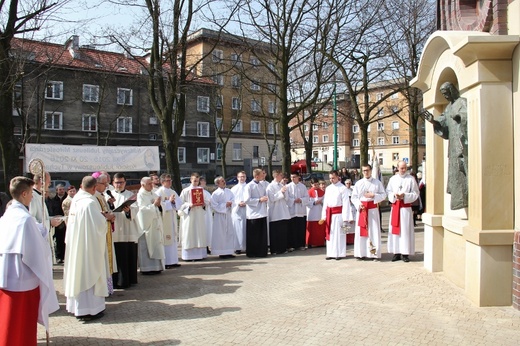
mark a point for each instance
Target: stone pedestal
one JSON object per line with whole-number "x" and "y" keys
{"x": 473, "y": 246}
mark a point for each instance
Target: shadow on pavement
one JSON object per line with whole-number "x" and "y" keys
{"x": 70, "y": 340}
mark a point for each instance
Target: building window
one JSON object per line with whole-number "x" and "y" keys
{"x": 53, "y": 120}
{"x": 380, "y": 126}
{"x": 236, "y": 59}
{"x": 219, "y": 102}
{"x": 202, "y": 155}
{"x": 217, "y": 55}
{"x": 235, "y": 81}
{"x": 421, "y": 140}
{"x": 255, "y": 86}
{"x": 218, "y": 79}
{"x": 254, "y": 61}
{"x": 203, "y": 104}
{"x": 271, "y": 87}
{"x": 90, "y": 93}
{"x": 355, "y": 128}
{"x": 152, "y": 136}
{"x": 325, "y": 112}
{"x": 218, "y": 124}
{"x": 395, "y": 125}
{"x": 124, "y": 125}
{"x": 255, "y": 151}
{"x": 153, "y": 120}
{"x": 315, "y": 127}
{"x": 380, "y": 140}
{"x": 17, "y": 99}
{"x": 219, "y": 151}
{"x": 89, "y": 122}
{"x": 394, "y": 109}
{"x": 237, "y": 151}
{"x": 235, "y": 103}
{"x": 325, "y": 138}
{"x": 54, "y": 90}
{"x": 202, "y": 129}
{"x": 394, "y": 96}
{"x": 305, "y": 127}
{"x": 181, "y": 154}
{"x": 355, "y": 143}
{"x": 237, "y": 125}
{"x": 368, "y": 127}
{"x": 379, "y": 96}
{"x": 306, "y": 114}
{"x": 270, "y": 128}
{"x": 395, "y": 156}
{"x": 381, "y": 159}
{"x": 255, "y": 126}
{"x": 315, "y": 139}
{"x": 380, "y": 112}
{"x": 270, "y": 107}
{"x": 255, "y": 106}
{"x": 395, "y": 140}
{"x": 324, "y": 125}
{"x": 124, "y": 96}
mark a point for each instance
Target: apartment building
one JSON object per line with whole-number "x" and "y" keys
{"x": 79, "y": 95}
{"x": 244, "y": 105}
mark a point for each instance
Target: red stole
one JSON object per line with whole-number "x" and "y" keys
{"x": 363, "y": 217}
{"x": 331, "y": 211}
{"x": 313, "y": 191}
{"x": 396, "y": 215}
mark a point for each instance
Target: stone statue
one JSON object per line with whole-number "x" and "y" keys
{"x": 452, "y": 125}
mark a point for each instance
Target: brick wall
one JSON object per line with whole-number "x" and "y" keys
{"x": 516, "y": 271}
{"x": 485, "y": 16}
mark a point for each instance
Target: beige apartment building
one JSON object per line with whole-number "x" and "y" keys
{"x": 389, "y": 135}
{"x": 244, "y": 105}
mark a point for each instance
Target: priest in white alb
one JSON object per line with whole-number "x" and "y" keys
{"x": 170, "y": 203}
{"x": 193, "y": 234}
{"x": 86, "y": 267}
{"x": 223, "y": 234}
{"x": 239, "y": 212}
{"x": 402, "y": 191}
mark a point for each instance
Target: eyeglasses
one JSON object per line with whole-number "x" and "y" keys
{"x": 167, "y": 180}
{"x": 119, "y": 182}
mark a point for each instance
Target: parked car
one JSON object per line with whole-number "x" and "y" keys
{"x": 308, "y": 176}
{"x": 54, "y": 183}
{"x": 233, "y": 180}
{"x": 185, "y": 181}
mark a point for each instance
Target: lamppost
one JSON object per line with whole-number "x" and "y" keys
{"x": 335, "y": 110}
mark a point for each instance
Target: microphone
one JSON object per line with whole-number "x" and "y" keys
{"x": 109, "y": 193}
{"x": 110, "y": 205}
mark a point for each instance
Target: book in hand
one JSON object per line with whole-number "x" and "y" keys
{"x": 126, "y": 203}
{"x": 197, "y": 197}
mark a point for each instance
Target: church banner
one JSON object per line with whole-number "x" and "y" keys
{"x": 82, "y": 158}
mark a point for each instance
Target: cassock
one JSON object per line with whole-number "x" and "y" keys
{"x": 150, "y": 243}
{"x": 193, "y": 234}
{"x": 223, "y": 234}
{"x": 27, "y": 293}
{"x": 279, "y": 217}
{"x": 256, "y": 214}
{"x": 296, "y": 235}
{"x": 401, "y": 237}
{"x": 315, "y": 235}
{"x": 337, "y": 205}
{"x": 368, "y": 244}
{"x": 239, "y": 216}
{"x": 86, "y": 267}
{"x": 170, "y": 228}
{"x": 125, "y": 237}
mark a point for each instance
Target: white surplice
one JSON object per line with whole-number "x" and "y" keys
{"x": 238, "y": 215}
{"x": 170, "y": 227}
{"x": 404, "y": 243}
{"x": 150, "y": 224}
{"x": 193, "y": 235}
{"x": 363, "y": 245}
{"x": 223, "y": 234}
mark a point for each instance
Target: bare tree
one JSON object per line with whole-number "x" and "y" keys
{"x": 16, "y": 18}
{"x": 409, "y": 29}
{"x": 293, "y": 29}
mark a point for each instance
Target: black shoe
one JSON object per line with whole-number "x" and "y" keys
{"x": 406, "y": 259}
{"x": 338, "y": 258}
{"x": 208, "y": 251}
{"x": 238, "y": 252}
{"x": 328, "y": 258}
{"x": 397, "y": 257}
{"x": 226, "y": 256}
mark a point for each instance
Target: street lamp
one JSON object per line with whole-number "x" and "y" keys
{"x": 335, "y": 110}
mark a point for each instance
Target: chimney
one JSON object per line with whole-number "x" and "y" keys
{"x": 72, "y": 45}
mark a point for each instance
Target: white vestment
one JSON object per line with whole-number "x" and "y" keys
{"x": 336, "y": 195}
{"x": 25, "y": 259}
{"x": 150, "y": 225}
{"x": 298, "y": 191}
{"x": 223, "y": 234}
{"x": 169, "y": 218}
{"x": 364, "y": 245}
{"x": 86, "y": 268}
{"x": 239, "y": 216}
{"x": 277, "y": 204}
{"x": 125, "y": 229}
{"x": 209, "y": 217}
{"x": 193, "y": 233}
{"x": 404, "y": 243}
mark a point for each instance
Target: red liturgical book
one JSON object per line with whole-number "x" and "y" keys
{"x": 197, "y": 197}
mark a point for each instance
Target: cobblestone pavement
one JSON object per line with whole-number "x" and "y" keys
{"x": 293, "y": 299}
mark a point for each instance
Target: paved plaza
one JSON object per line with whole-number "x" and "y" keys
{"x": 293, "y": 299}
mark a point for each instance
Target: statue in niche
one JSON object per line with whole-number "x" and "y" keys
{"x": 452, "y": 125}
